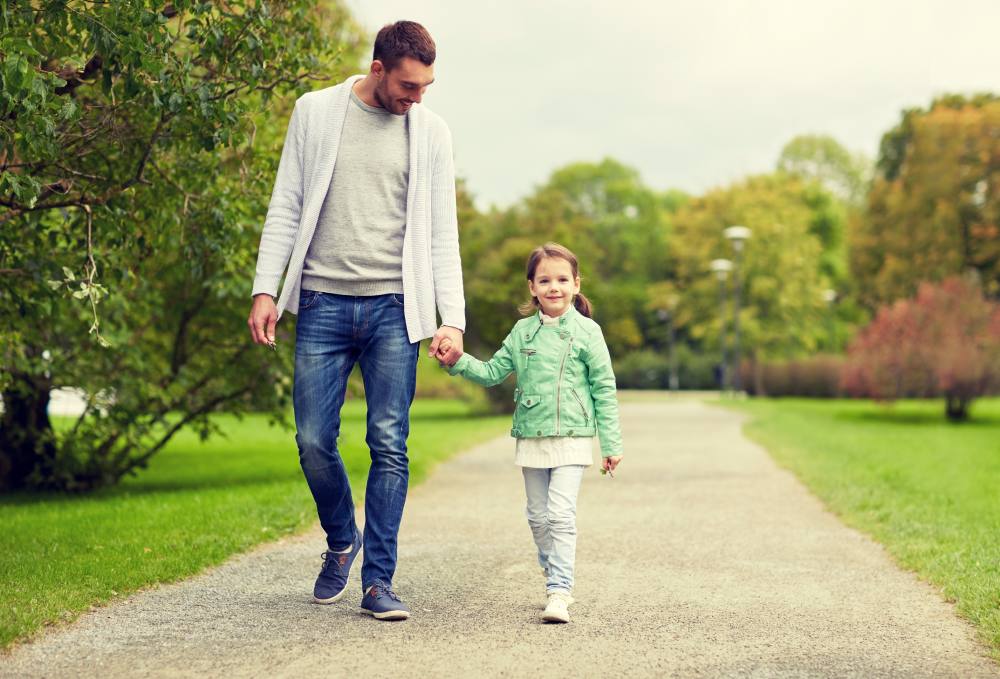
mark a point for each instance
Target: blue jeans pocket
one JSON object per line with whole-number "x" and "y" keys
{"x": 307, "y": 298}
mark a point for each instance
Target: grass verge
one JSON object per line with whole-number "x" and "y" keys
{"x": 197, "y": 504}
{"x": 928, "y": 490}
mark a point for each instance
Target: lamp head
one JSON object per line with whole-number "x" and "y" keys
{"x": 721, "y": 268}
{"x": 737, "y": 235}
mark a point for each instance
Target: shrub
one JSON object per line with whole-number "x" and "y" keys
{"x": 648, "y": 369}
{"x": 945, "y": 342}
{"x": 816, "y": 376}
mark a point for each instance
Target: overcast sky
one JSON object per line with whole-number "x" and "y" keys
{"x": 693, "y": 95}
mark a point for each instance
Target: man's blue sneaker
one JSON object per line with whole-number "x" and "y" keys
{"x": 383, "y": 603}
{"x": 332, "y": 581}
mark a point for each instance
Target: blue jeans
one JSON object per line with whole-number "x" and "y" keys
{"x": 551, "y": 513}
{"x": 333, "y": 333}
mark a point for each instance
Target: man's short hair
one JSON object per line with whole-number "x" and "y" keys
{"x": 404, "y": 39}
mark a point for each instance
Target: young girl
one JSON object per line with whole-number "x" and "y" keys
{"x": 565, "y": 395}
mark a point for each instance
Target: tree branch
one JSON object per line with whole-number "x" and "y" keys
{"x": 206, "y": 408}
{"x": 74, "y": 78}
{"x": 81, "y": 201}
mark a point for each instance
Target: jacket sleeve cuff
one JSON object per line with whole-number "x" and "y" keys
{"x": 459, "y": 366}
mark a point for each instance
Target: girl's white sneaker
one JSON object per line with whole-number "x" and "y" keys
{"x": 557, "y": 609}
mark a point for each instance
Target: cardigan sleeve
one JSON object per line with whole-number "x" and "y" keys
{"x": 282, "y": 222}
{"x": 446, "y": 261}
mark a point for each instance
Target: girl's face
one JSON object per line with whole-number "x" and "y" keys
{"x": 554, "y": 285}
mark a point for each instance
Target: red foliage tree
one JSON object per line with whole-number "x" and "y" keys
{"x": 945, "y": 342}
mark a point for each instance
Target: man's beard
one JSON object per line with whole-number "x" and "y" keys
{"x": 384, "y": 100}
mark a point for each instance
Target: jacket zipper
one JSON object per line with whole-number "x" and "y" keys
{"x": 586, "y": 418}
{"x": 569, "y": 347}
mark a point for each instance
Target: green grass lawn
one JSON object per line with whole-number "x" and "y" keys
{"x": 197, "y": 504}
{"x": 926, "y": 489}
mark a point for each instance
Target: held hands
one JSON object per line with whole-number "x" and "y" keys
{"x": 446, "y": 346}
{"x": 609, "y": 464}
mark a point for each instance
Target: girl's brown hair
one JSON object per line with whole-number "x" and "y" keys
{"x": 554, "y": 251}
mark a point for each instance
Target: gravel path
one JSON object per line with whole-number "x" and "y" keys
{"x": 701, "y": 558}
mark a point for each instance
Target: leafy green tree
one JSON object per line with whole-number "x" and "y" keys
{"x": 934, "y": 209}
{"x": 617, "y": 227}
{"x": 823, "y": 159}
{"x": 137, "y": 147}
{"x": 783, "y": 312}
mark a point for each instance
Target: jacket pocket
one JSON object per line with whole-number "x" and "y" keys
{"x": 527, "y": 356}
{"x": 530, "y": 400}
{"x": 583, "y": 408}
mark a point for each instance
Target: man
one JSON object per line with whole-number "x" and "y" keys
{"x": 363, "y": 215}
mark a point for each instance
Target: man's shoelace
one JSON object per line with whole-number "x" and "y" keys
{"x": 330, "y": 560}
{"x": 378, "y": 591}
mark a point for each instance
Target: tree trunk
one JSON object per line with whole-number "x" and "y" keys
{"x": 758, "y": 379}
{"x": 956, "y": 408}
{"x": 26, "y": 437}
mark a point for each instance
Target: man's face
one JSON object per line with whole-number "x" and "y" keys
{"x": 402, "y": 87}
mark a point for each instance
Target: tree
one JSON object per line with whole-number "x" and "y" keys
{"x": 945, "y": 342}
{"x": 822, "y": 159}
{"x": 783, "y": 314}
{"x": 602, "y": 211}
{"x": 934, "y": 208}
{"x": 137, "y": 147}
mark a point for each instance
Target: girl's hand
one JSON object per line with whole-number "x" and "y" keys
{"x": 442, "y": 352}
{"x": 609, "y": 464}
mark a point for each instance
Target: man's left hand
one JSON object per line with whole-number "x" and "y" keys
{"x": 453, "y": 334}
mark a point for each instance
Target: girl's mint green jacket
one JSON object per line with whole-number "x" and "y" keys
{"x": 565, "y": 384}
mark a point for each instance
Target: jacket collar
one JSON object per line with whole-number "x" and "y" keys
{"x": 564, "y": 320}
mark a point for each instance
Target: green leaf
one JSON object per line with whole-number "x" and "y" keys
{"x": 68, "y": 109}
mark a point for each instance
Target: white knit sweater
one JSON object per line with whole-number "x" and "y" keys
{"x": 432, "y": 268}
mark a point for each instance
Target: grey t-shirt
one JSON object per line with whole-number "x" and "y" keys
{"x": 357, "y": 248}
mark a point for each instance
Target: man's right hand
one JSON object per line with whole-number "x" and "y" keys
{"x": 263, "y": 318}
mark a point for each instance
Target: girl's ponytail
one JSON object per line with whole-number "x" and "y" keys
{"x": 583, "y": 305}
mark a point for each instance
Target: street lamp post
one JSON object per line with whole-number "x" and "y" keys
{"x": 721, "y": 269}
{"x": 830, "y": 296}
{"x": 667, "y": 315}
{"x": 737, "y": 235}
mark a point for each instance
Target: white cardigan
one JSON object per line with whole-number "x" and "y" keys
{"x": 432, "y": 267}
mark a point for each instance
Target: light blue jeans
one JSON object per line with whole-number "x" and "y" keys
{"x": 551, "y": 513}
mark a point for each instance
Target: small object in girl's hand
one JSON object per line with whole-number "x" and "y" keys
{"x": 608, "y": 472}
